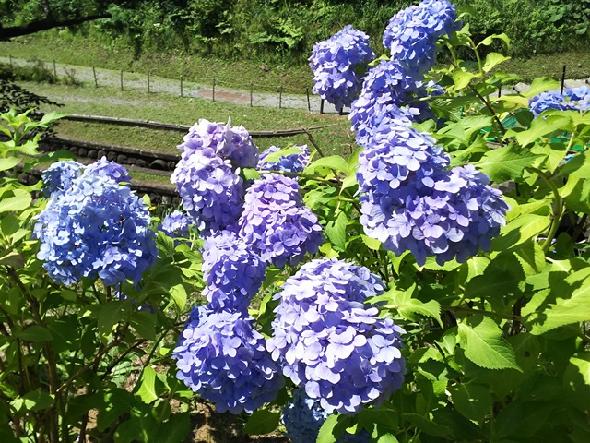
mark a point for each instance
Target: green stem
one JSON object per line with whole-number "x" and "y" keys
{"x": 557, "y": 209}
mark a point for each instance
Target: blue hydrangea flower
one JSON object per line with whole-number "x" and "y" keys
{"x": 293, "y": 163}
{"x": 111, "y": 169}
{"x": 304, "y": 417}
{"x": 223, "y": 358}
{"x": 409, "y": 201}
{"x": 276, "y": 223}
{"x": 175, "y": 224}
{"x": 548, "y": 100}
{"x": 231, "y": 143}
{"x": 233, "y": 272}
{"x": 59, "y": 176}
{"x": 329, "y": 343}
{"x": 333, "y": 63}
{"x": 412, "y": 33}
{"x": 211, "y": 192}
{"x": 572, "y": 99}
{"x": 96, "y": 229}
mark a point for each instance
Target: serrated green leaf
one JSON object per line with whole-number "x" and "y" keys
{"x": 542, "y": 127}
{"x": 489, "y": 39}
{"x": 520, "y": 230}
{"x": 541, "y": 84}
{"x": 178, "y": 294}
{"x": 506, "y": 163}
{"x": 482, "y": 341}
{"x": 19, "y": 201}
{"x": 8, "y": 163}
{"x": 408, "y": 307}
{"x": 336, "y": 231}
{"x": 462, "y": 79}
{"x": 37, "y": 400}
{"x": 335, "y": 162}
{"x": 147, "y": 388}
{"x": 109, "y": 315}
{"x": 493, "y": 59}
{"x": 372, "y": 243}
{"x": 326, "y": 432}
{"x": 262, "y": 422}
{"x": 472, "y": 400}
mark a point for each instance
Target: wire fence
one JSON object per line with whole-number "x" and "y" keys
{"x": 211, "y": 88}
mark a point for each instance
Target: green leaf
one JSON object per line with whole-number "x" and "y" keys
{"x": 520, "y": 230}
{"x": 37, "y": 400}
{"x": 542, "y": 128}
{"x": 541, "y": 84}
{"x": 472, "y": 400}
{"x": 565, "y": 311}
{"x": 505, "y": 163}
{"x": 372, "y": 243}
{"x": 483, "y": 344}
{"x": 147, "y": 388}
{"x": 8, "y": 163}
{"x": 326, "y": 432}
{"x": 109, "y": 315}
{"x": 336, "y": 231}
{"x": 408, "y": 307}
{"x": 489, "y": 39}
{"x": 178, "y": 294}
{"x": 493, "y": 59}
{"x": 335, "y": 162}
{"x": 20, "y": 200}
{"x": 387, "y": 438}
{"x": 35, "y": 333}
{"x": 262, "y": 422}
{"x": 462, "y": 78}
{"x": 174, "y": 430}
{"x": 13, "y": 259}
{"x": 250, "y": 173}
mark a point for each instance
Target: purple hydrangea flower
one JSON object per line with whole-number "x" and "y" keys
{"x": 233, "y": 273}
{"x": 276, "y": 224}
{"x": 175, "y": 224}
{"x": 211, "y": 192}
{"x": 96, "y": 229}
{"x": 333, "y": 63}
{"x": 412, "y": 33}
{"x": 59, "y": 176}
{"x": 304, "y": 417}
{"x": 579, "y": 98}
{"x": 329, "y": 343}
{"x": 409, "y": 201}
{"x": 231, "y": 143}
{"x": 223, "y": 358}
{"x": 111, "y": 169}
{"x": 293, "y": 163}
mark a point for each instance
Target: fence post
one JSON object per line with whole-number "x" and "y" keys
{"x": 280, "y": 96}
{"x": 54, "y": 70}
{"x": 562, "y": 78}
{"x": 181, "y": 85}
{"x": 213, "y": 90}
{"x": 94, "y": 75}
{"x": 499, "y": 91}
{"x": 308, "y": 102}
{"x": 321, "y": 106}
{"x": 121, "y": 80}
{"x": 251, "y": 94}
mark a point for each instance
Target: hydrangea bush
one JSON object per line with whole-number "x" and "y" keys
{"x": 396, "y": 294}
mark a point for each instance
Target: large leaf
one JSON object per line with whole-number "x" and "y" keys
{"x": 326, "y": 432}
{"x": 409, "y": 307}
{"x": 493, "y": 59}
{"x": 19, "y": 201}
{"x": 336, "y": 231}
{"x": 472, "y": 400}
{"x": 8, "y": 163}
{"x": 506, "y": 163}
{"x": 542, "y": 127}
{"x": 520, "y": 230}
{"x": 147, "y": 388}
{"x": 483, "y": 344}
{"x": 178, "y": 294}
{"x": 262, "y": 422}
{"x": 334, "y": 162}
{"x": 34, "y": 333}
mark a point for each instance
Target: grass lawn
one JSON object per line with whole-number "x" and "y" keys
{"x": 334, "y": 138}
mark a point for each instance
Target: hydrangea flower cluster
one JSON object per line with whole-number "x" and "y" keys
{"x": 276, "y": 223}
{"x": 329, "y": 343}
{"x": 175, "y": 224}
{"x": 231, "y": 143}
{"x": 304, "y": 417}
{"x": 572, "y": 99}
{"x": 412, "y": 33}
{"x": 211, "y": 192}
{"x": 223, "y": 358}
{"x": 111, "y": 169}
{"x": 59, "y": 176}
{"x": 333, "y": 63}
{"x": 293, "y": 163}
{"x": 233, "y": 273}
{"x": 96, "y": 229}
{"x": 410, "y": 201}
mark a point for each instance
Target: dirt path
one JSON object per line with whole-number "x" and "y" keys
{"x": 139, "y": 82}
